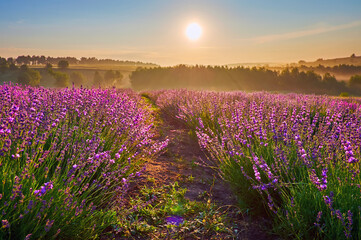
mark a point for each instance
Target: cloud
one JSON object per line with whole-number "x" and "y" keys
{"x": 304, "y": 33}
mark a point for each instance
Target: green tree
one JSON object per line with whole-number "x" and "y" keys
{"x": 13, "y": 67}
{"x": 62, "y": 79}
{"x": 63, "y": 64}
{"x": 4, "y": 66}
{"x": 29, "y": 77}
{"x": 24, "y": 67}
{"x": 355, "y": 81}
{"x": 48, "y": 66}
{"x": 329, "y": 79}
{"x": 77, "y": 78}
{"x": 112, "y": 77}
{"x": 118, "y": 77}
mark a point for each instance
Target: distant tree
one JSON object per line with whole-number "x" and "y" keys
{"x": 63, "y": 64}
{"x": 62, "y": 79}
{"x": 118, "y": 77}
{"x": 23, "y": 60}
{"x": 29, "y": 77}
{"x": 109, "y": 77}
{"x": 77, "y": 78}
{"x": 48, "y": 66}
{"x": 98, "y": 79}
{"x": 13, "y": 67}
{"x": 4, "y": 66}
{"x": 42, "y": 60}
{"x": 329, "y": 79}
{"x": 10, "y": 60}
{"x": 112, "y": 77}
{"x": 353, "y": 55}
{"x": 355, "y": 81}
{"x": 2, "y": 61}
{"x": 24, "y": 67}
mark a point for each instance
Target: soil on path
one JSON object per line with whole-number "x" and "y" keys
{"x": 181, "y": 162}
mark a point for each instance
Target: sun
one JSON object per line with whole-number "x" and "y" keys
{"x": 194, "y": 31}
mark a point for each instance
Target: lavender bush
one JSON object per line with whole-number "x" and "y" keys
{"x": 296, "y": 156}
{"x": 67, "y": 157}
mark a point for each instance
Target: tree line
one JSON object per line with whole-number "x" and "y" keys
{"x": 338, "y": 69}
{"x": 28, "y": 76}
{"x": 42, "y": 60}
{"x": 248, "y": 79}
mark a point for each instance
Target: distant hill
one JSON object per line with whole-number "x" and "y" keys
{"x": 341, "y": 68}
{"x": 352, "y": 60}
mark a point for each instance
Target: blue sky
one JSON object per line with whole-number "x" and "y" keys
{"x": 153, "y": 31}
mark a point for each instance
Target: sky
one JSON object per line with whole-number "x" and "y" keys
{"x": 233, "y": 31}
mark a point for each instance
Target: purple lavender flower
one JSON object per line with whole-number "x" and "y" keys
{"x": 5, "y": 223}
{"x": 174, "y": 220}
{"x": 28, "y": 236}
{"x": 48, "y": 225}
{"x": 256, "y": 173}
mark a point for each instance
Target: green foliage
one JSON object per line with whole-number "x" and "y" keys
{"x": 4, "y": 66}
{"x": 77, "y": 78}
{"x": 112, "y": 78}
{"x": 355, "y": 81}
{"x": 48, "y": 66}
{"x": 344, "y": 94}
{"x": 152, "y": 206}
{"x": 24, "y": 67}
{"x": 63, "y": 64}
{"x": 239, "y": 78}
{"x": 29, "y": 77}
{"x": 109, "y": 75}
{"x": 62, "y": 79}
{"x": 329, "y": 79}
{"x": 13, "y": 67}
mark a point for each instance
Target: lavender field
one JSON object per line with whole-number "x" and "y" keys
{"x": 295, "y": 157}
{"x": 72, "y": 160}
{"x": 67, "y": 157}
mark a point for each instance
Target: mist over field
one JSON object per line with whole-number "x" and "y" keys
{"x": 153, "y": 119}
{"x": 298, "y": 78}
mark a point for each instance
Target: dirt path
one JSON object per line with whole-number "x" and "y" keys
{"x": 179, "y": 163}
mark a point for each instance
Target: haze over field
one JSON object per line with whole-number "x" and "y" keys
{"x": 155, "y": 31}
{"x": 183, "y": 119}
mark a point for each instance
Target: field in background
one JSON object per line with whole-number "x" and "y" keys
{"x": 88, "y": 70}
{"x": 255, "y": 76}
{"x": 82, "y": 163}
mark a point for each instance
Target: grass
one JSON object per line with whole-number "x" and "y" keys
{"x": 153, "y": 206}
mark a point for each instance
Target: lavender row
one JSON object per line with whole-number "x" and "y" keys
{"x": 297, "y": 156}
{"x": 67, "y": 157}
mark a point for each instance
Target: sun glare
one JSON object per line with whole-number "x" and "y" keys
{"x": 193, "y": 31}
